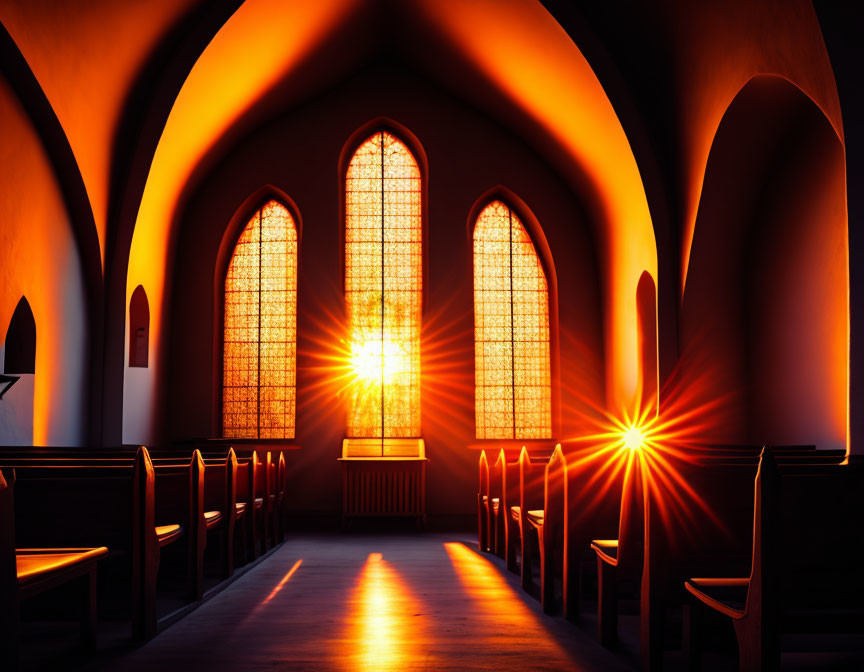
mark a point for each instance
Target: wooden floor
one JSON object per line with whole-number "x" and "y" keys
{"x": 364, "y": 602}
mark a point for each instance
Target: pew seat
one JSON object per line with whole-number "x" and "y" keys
{"x": 167, "y": 534}
{"x": 728, "y": 596}
{"x": 516, "y": 513}
{"x": 535, "y": 517}
{"x": 212, "y": 519}
{"x": 259, "y": 502}
{"x": 28, "y": 571}
{"x": 240, "y": 508}
{"x": 805, "y": 563}
{"x": 606, "y": 550}
{"x": 496, "y": 504}
{"x": 43, "y": 568}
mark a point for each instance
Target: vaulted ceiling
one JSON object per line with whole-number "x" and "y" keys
{"x": 626, "y": 106}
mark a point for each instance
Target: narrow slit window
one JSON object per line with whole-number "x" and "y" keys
{"x": 384, "y": 287}
{"x": 512, "y": 375}
{"x": 260, "y": 337}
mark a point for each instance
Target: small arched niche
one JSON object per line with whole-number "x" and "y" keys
{"x": 646, "y": 312}
{"x": 20, "y": 352}
{"x": 139, "y": 328}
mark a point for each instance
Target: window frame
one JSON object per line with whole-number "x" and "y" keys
{"x": 541, "y": 248}
{"x": 236, "y": 225}
{"x": 349, "y": 148}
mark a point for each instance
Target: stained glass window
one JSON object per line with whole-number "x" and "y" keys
{"x": 260, "y": 346}
{"x": 512, "y": 379}
{"x": 383, "y": 287}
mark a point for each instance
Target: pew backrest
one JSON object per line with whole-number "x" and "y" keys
{"x": 818, "y": 545}
{"x": 698, "y": 522}
{"x": 483, "y": 475}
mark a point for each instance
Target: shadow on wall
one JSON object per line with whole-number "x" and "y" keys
{"x": 764, "y": 321}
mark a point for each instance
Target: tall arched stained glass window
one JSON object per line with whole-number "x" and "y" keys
{"x": 384, "y": 287}
{"x": 512, "y": 377}
{"x": 260, "y": 346}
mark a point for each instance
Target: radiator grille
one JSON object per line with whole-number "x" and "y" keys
{"x": 383, "y": 492}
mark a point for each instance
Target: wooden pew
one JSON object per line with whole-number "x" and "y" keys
{"x": 807, "y": 545}
{"x": 179, "y": 513}
{"x": 65, "y": 491}
{"x": 260, "y": 495}
{"x": 695, "y": 526}
{"x": 582, "y": 502}
{"x": 548, "y": 525}
{"x": 530, "y": 499}
{"x": 220, "y": 497}
{"x": 221, "y": 507}
{"x": 260, "y": 483}
{"x": 483, "y": 504}
{"x": 190, "y": 503}
{"x": 282, "y": 498}
{"x": 272, "y": 519}
{"x": 499, "y": 519}
{"x": 278, "y": 484}
{"x": 624, "y": 506}
{"x": 247, "y": 488}
{"x": 273, "y": 494}
{"x": 27, "y": 572}
{"x": 619, "y": 559}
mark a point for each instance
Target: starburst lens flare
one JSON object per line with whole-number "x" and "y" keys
{"x": 633, "y": 438}
{"x": 384, "y": 287}
{"x": 376, "y": 361}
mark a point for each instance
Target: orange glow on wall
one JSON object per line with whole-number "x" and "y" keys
{"x": 525, "y": 54}
{"x": 512, "y": 378}
{"x": 40, "y": 261}
{"x": 384, "y": 287}
{"x": 260, "y": 338}
{"x": 87, "y": 78}
{"x": 259, "y": 46}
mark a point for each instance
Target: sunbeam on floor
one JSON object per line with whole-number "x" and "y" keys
{"x": 423, "y": 602}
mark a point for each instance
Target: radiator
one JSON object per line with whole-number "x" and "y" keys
{"x": 383, "y": 477}
{"x": 378, "y": 488}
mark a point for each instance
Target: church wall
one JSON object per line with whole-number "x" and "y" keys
{"x": 299, "y": 154}
{"x": 764, "y": 321}
{"x": 39, "y": 259}
{"x": 799, "y": 311}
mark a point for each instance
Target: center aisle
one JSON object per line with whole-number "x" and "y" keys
{"x": 364, "y": 602}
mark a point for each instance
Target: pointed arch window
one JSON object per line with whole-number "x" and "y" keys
{"x": 512, "y": 373}
{"x": 384, "y": 287}
{"x": 260, "y": 333}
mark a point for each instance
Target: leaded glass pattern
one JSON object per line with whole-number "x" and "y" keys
{"x": 260, "y": 337}
{"x": 384, "y": 287}
{"x": 512, "y": 377}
